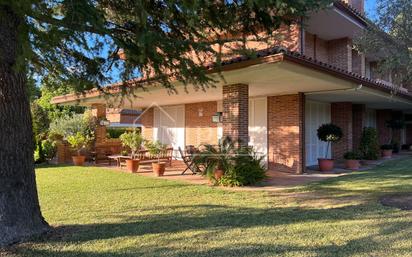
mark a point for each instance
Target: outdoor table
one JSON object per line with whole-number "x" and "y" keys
{"x": 117, "y": 158}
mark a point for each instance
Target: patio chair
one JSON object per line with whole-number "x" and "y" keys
{"x": 122, "y": 162}
{"x": 190, "y": 164}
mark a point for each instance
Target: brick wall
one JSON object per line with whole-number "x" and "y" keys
{"x": 358, "y": 63}
{"x": 286, "y": 133}
{"x": 340, "y": 53}
{"x": 316, "y": 47}
{"x": 358, "y": 123}
{"x": 236, "y": 112}
{"x": 198, "y": 122}
{"x": 147, "y": 121}
{"x": 408, "y": 134}
{"x": 99, "y": 111}
{"x": 64, "y": 153}
{"x": 341, "y": 115}
{"x": 384, "y": 133}
{"x": 396, "y": 134}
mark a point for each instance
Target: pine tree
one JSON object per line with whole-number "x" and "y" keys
{"x": 78, "y": 43}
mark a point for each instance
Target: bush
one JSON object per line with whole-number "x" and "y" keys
{"x": 217, "y": 157}
{"x": 67, "y": 126}
{"x": 247, "y": 170}
{"x": 49, "y": 149}
{"x": 369, "y": 147}
{"x": 45, "y": 151}
{"x": 353, "y": 155}
{"x": 115, "y": 132}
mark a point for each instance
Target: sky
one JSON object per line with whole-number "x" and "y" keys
{"x": 370, "y": 8}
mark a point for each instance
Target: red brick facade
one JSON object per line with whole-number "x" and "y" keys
{"x": 341, "y": 115}
{"x": 358, "y": 63}
{"x": 396, "y": 134}
{"x": 316, "y": 47}
{"x": 384, "y": 133}
{"x": 340, "y": 53}
{"x": 147, "y": 121}
{"x": 358, "y": 123}
{"x": 198, "y": 123}
{"x": 236, "y": 112}
{"x": 286, "y": 133}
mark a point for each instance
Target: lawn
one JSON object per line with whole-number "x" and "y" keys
{"x": 99, "y": 212}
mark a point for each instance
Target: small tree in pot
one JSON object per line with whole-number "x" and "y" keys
{"x": 157, "y": 149}
{"x": 328, "y": 133}
{"x": 352, "y": 160}
{"x": 134, "y": 141}
{"x": 78, "y": 142}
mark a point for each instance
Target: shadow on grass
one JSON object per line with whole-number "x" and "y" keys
{"x": 217, "y": 218}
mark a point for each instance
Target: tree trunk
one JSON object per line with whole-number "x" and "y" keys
{"x": 20, "y": 215}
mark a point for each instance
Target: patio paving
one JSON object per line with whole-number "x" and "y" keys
{"x": 276, "y": 180}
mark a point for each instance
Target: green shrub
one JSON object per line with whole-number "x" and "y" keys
{"x": 247, "y": 170}
{"x": 216, "y": 157}
{"x": 45, "y": 151}
{"x": 353, "y": 155}
{"x": 115, "y": 132}
{"x": 369, "y": 147}
{"x": 67, "y": 126}
{"x": 49, "y": 149}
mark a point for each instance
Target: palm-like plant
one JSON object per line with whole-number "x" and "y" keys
{"x": 219, "y": 157}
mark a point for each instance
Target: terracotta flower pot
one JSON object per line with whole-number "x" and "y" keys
{"x": 325, "y": 164}
{"x": 159, "y": 168}
{"x": 78, "y": 160}
{"x": 218, "y": 174}
{"x": 132, "y": 165}
{"x": 387, "y": 154}
{"x": 352, "y": 164}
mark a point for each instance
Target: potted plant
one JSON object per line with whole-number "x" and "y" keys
{"x": 217, "y": 159}
{"x": 387, "y": 151}
{"x": 156, "y": 149}
{"x": 352, "y": 160}
{"x": 134, "y": 141}
{"x": 78, "y": 142}
{"x": 328, "y": 133}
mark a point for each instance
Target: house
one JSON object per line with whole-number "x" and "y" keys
{"x": 277, "y": 101}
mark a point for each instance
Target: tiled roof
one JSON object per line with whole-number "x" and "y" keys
{"x": 351, "y": 9}
{"x": 308, "y": 61}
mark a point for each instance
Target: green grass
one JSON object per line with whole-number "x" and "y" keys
{"x": 99, "y": 212}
